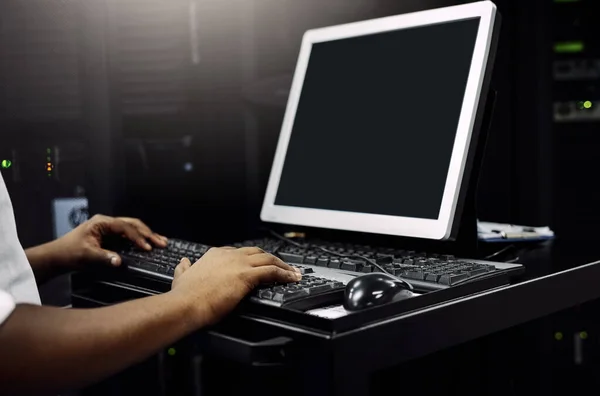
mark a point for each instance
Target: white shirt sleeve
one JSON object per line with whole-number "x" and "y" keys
{"x": 17, "y": 282}
{"x": 7, "y": 305}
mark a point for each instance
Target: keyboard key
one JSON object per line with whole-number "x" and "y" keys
{"x": 266, "y": 294}
{"x": 320, "y": 288}
{"x": 432, "y": 277}
{"x": 289, "y": 295}
{"x": 477, "y": 271}
{"x": 417, "y": 275}
{"x": 386, "y": 259}
{"x": 310, "y": 260}
{"x": 450, "y": 279}
{"x": 323, "y": 261}
{"x": 305, "y": 270}
{"x": 147, "y": 266}
{"x": 335, "y": 263}
{"x": 291, "y": 258}
{"x": 352, "y": 265}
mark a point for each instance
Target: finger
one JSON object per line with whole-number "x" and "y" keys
{"x": 158, "y": 240}
{"x": 118, "y": 226}
{"x": 103, "y": 256}
{"x": 183, "y": 266}
{"x": 249, "y": 251}
{"x": 137, "y": 223}
{"x": 271, "y": 273}
{"x": 146, "y": 232}
{"x": 259, "y": 260}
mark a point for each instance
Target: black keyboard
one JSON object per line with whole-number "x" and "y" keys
{"x": 425, "y": 271}
{"x": 326, "y": 268}
{"x": 161, "y": 263}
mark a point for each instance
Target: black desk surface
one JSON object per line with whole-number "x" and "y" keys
{"x": 558, "y": 276}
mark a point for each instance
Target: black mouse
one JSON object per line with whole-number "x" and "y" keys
{"x": 375, "y": 289}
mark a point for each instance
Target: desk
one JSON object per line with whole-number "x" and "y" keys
{"x": 343, "y": 362}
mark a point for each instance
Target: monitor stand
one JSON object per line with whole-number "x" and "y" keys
{"x": 463, "y": 244}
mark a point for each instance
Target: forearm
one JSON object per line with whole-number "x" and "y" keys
{"x": 51, "y": 349}
{"x": 45, "y": 261}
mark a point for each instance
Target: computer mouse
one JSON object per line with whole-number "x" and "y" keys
{"x": 374, "y": 289}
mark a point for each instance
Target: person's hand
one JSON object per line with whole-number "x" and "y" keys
{"x": 217, "y": 282}
{"x": 83, "y": 245}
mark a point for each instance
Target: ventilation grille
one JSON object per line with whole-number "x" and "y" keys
{"x": 39, "y": 66}
{"x": 153, "y": 55}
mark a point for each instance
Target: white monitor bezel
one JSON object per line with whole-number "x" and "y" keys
{"x": 438, "y": 229}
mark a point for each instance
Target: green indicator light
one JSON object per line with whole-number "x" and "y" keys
{"x": 568, "y": 47}
{"x": 171, "y": 351}
{"x": 583, "y": 335}
{"x": 587, "y": 104}
{"x": 48, "y": 150}
{"x": 558, "y": 336}
{"x": 6, "y": 164}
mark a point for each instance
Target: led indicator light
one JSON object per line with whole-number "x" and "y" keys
{"x": 6, "y": 164}
{"x": 568, "y": 47}
{"x": 558, "y": 336}
{"x": 583, "y": 335}
{"x": 171, "y": 351}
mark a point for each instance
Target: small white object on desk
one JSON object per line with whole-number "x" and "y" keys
{"x": 499, "y": 232}
{"x": 330, "y": 312}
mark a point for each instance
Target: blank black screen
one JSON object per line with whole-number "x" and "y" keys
{"x": 377, "y": 120}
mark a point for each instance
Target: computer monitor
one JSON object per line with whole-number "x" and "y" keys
{"x": 379, "y": 123}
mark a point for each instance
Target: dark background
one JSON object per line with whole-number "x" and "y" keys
{"x": 169, "y": 110}
{"x": 145, "y": 89}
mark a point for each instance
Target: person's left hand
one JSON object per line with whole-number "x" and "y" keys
{"x": 83, "y": 245}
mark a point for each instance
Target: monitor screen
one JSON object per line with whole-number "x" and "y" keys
{"x": 376, "y": 121}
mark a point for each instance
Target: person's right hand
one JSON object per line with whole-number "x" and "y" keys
{"x": 224, "y": 276}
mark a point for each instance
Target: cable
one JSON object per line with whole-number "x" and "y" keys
{"x": 499, "y": 252}
{"x": 356, "y": 256}
{"x": 472, "y": 278}
{"x": 288, "y": 240}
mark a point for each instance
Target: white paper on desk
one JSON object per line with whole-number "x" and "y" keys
{"x": 488, "y": 230}
{"x": 331, "y": 312}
